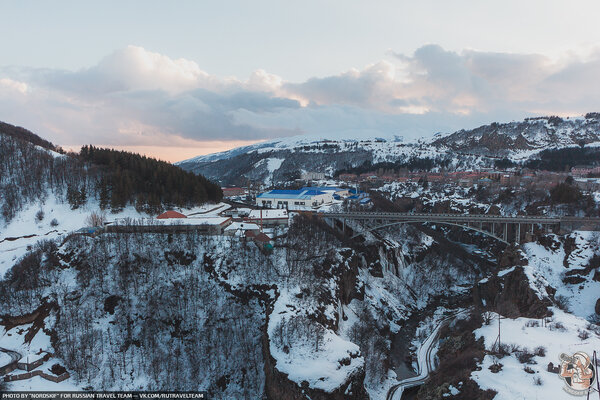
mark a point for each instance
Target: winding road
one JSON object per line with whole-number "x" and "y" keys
{"x": 13, "y": 355}
{"x": 426, "y": 360}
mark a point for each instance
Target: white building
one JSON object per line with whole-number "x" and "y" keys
{"x": 312, "y": 176}
{"x": 240, "y": 228}
{"x": 268, "y": 217}
{"x": 302, "y": 199}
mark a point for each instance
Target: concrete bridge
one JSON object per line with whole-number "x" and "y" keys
{"x": 499, "y": 227}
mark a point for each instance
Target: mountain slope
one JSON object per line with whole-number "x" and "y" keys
{"x": 31, "y": 170}
{"x": 21, "y": 133}
{"x": 518, "y": 140}
{"x": 322, "y": 316}
{"x": 465, "y": 149}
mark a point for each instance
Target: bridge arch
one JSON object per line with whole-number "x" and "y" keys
{"x": 472, "y": 228}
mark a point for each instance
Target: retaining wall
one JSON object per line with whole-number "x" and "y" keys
{"x": 29, "y": 375}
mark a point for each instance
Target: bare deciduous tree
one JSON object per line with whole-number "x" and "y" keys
{"x": 95, "y": 219}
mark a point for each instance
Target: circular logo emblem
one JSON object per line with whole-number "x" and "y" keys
{"x": 578, "y": 373}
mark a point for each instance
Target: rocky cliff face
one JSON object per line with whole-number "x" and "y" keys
{"x": 279, "y": 387}
{"x": 511, "y": 296}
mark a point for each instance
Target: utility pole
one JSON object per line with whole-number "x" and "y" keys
{"x": 499, "y": 345}
{"x": 499, "y": 342}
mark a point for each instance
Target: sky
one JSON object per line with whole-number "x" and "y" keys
{"x": 175, "y": 80}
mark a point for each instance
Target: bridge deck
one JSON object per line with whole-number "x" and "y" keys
{"x": 461, "y": 218}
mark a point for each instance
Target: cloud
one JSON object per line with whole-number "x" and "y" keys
{"x": 130, "y": 69}
{"x": 138, "y": 97}
{"x": 434, "y": 80}
{"x": 9, "y": 85}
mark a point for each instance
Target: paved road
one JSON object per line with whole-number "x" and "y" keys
{"x": 426, "y": 360}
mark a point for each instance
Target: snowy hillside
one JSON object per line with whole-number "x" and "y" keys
{"x": 520, "y": 140}
{"x": 313, "y": 312}
{"x": 463, "y": 150}
{"x": 522, "y": 376}
{"x": 51, "y": 218}
{"x": 292, "y": 143}
{"x": 312, "y": 316}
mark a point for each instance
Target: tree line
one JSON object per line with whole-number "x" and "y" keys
{"x": 563, "y": 159}
{"x": 150, "y": 184}
{"x": 29, "y": 173}
{"x": 411, "y": 164}
{"x": 24, "y": 134}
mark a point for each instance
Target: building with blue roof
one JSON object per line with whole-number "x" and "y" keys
{"x": 302, "y": 199}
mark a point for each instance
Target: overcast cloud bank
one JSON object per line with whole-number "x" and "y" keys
{"x": 137, "y": 97}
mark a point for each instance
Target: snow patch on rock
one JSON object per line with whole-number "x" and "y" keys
{"x": 326, "y": 365}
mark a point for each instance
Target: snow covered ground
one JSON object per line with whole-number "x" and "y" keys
{"x": 23, "y": 231}
{"x": 26, "y": 224}
{"x": 325, "y": 363}
{"x": 4, "y": 359}
{"x": 546, "y": 268}
{"x": 271, "y": 165}
{"x": 562, "y": 335}
{"x": 566, "y": 332}
{"x": 14, "y": 339}
{"x": 40, "y": 384}
{"x": 208, "y": 209}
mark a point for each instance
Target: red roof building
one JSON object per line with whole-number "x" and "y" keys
{"x": 262, "y": 238}
{"x": 171, "y": 214}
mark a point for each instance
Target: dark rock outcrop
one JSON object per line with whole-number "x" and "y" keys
{"x": 511, "y": 296}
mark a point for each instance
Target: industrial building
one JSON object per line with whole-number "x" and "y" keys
{"x": 301, "y": 199}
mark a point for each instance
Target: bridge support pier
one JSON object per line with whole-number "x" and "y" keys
{"x": 518, "y": 235}
{"x": 505, "y": 233}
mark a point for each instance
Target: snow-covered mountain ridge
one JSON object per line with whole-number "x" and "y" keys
{"x": 520, "y": 140}
{"x": 517, "y": 141}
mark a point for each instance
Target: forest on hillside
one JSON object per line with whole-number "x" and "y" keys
{"x": 150, "y": 183}
{"x": 116, "y": 179}
{"x": 411, "y": 164}
{"x": 564, "y": 159}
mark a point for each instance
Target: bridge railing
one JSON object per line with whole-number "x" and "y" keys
{"x": 453, "y": 217}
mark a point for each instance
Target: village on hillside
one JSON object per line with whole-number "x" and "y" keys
{"x": 586, "y": 177}
{"x": 260, "y": 214}
{"x": 261, "y": 221}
